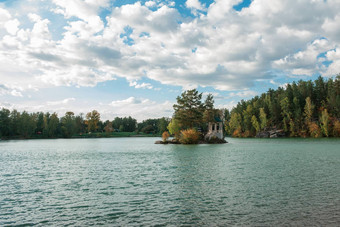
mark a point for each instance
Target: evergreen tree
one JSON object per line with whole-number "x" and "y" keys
{"x": 189, "y": 109}
{"x": 68, "y": 124}
{"x": 53, "y": 125}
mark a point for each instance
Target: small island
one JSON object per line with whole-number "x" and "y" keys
{"x": 194, "y": 121}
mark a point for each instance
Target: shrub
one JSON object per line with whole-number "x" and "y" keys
{"x": 336, "y": 128}
{"x": 246, "y": 134}
{"x": 314, "y": 130}
{"x": 237, "y": 133}
{"x": 165, "y": 136}
{"x": 189, "y": 136}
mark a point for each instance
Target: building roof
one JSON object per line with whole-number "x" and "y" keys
{"x": 217, "y": 119}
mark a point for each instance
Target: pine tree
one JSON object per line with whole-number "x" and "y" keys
{"x": 189, "y": 109}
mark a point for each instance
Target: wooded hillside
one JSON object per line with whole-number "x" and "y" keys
{"x": 303, "y": 109}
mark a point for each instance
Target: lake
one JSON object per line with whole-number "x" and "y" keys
{"x": 131, "y": 181}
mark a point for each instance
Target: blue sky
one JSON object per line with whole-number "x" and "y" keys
{"x": 133, "y": 58}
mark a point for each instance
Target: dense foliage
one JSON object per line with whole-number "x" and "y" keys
{"x": 154, "y": 126}
{"x": 305, "y": 108}
{"x": 14, "y": 124}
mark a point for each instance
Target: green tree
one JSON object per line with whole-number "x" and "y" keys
{"x": 324, "y": 122}
{"x": 234, "y": 123}
{"x": 263, "y": 118}
{"x": 209, "y": 102}
{"x": 247, "y": 114}
{"x": 286, "y": 114}
{"x": 308, "y": 111}
{"x": 297, "y": 116}
{"x": 53, "y": 125}
{"x": 162, "y": 125}
{"x": 27, "y": 124}
{"x": 80, "y": 123}
{"x": 174, "y": 128}
{"x": 40, "y": 123}
{"x": 68, "y": 124}
{"x": 15, "y": 123}
{"x": 255, "y": 123}
{"x": 46, "y": 122}
{"x": 4, "y": 122}
{"x": 189, "y": 109}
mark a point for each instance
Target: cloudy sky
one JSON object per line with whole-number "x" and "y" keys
{"x": 127, "y": 57}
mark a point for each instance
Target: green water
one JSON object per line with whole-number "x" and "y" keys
{"x": 133, "y": 182}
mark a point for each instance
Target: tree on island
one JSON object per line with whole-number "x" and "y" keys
{"x": 189, "y": 109}
{"x": 191, "y": 116}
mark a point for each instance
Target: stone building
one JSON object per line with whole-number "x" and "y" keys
{"x": 215, "y": 129}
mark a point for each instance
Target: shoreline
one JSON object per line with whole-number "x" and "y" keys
{"x": 87, "y": 136}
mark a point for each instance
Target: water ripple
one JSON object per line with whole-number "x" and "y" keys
{"x": 132, "y": 182}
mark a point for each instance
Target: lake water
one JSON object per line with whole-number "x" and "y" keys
{"x": 131, "y": 181}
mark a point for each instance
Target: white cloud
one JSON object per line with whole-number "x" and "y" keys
{"x": 142, "y": 85}
{"x": 4, "y": 16}
{"x": 12, "y": 26}
{"x": 7, "y": 90}
{"x": 64, "y": 101}
{"x": 193, "y": 4}
{"x": 334, "y": 67}
{"x": 128, "y": 101}
{"x": 304, "y": 62}
{"x": 243, "y": 94}
{"x": 140, "y": 108}
{"x": 150, "y": 4}
{"x": 223, "y": 49}
{"x": 230, "y": 105}
{"x": 331, "y": 26}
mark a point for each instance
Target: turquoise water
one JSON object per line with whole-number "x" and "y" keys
{"x": 131, "y": 181}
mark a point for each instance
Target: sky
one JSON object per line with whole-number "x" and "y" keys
{"x": 133, "y": 58}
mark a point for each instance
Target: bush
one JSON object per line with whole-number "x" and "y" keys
{"x": 314, "y": 130}
{"x": 336, "y": 128}
{"x": 165, "y": 136}
{"x": 246, "y": 134}
{"x": 237, "y": 133}
{"x": 189, "y": 136}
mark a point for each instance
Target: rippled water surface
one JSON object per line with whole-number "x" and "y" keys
{"x": 131, "y": 181}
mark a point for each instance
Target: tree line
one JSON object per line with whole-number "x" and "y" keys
{"x": 15, "y": 124}
{"x": 302, "y": 109}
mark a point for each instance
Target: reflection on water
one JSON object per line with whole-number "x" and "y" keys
{"x": 131, "y": 181}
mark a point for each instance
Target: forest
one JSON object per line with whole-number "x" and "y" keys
{"x": 302, "y": 109}
{"x": 24, "y": 125}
